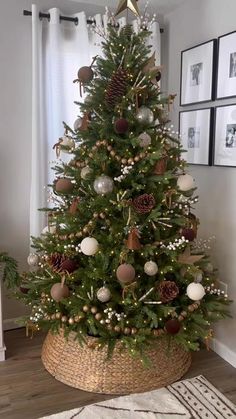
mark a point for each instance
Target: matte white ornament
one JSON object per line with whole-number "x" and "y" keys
{"x": 144, "y": 140}
{"x": 50, "y": 229}
{"x": 33, "y": 259}
{"x": 85, "y": 172}
{"x": 185, "y": 182}
{"x": 145, "y": 115}
{"x": 195, "y": 291}
{"x": 67, "y": 142}
{"x": 89, "y": 246}
{"x": 77, "y": 124}
{"x": 104, "y": 294}
{"x": 150, "y": 268}
{"x": 103, "y": 185}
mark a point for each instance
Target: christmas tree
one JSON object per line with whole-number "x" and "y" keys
{"x": 119, "y": 259}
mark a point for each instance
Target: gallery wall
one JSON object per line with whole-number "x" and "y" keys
{"x": 194, "y": 22}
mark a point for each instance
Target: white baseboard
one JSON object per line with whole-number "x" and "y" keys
{"x": 2, "y": 353}
{"x": 224, "y": 352}
{"x": 9, "y": 324}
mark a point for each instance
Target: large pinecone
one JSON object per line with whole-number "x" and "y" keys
{"x": 56, "y": 260}
{"x": 168, "y": 291}
{"x": 116, "y": 87}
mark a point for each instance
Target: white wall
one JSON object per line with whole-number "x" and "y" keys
{"x": 15, "y": 126}
{"x": 196, "y": 21}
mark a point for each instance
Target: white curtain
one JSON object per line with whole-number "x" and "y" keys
{"x": 58, "y": 51}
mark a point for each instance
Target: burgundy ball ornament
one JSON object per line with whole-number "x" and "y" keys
{"x": 172, "y": 326}
{"x": 121, "y": 126}
{"x": 189, "y": 234}
{"x": 23, "y": 289}
{"x": 64, "y": 185}
{"x": 125, "y": 273}
{"x": 59, "y": 291}
{"x": 85, "y": 74}
{"x": 68, "y": 265}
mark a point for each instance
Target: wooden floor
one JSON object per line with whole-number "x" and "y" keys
{"x": 27, "y": 391}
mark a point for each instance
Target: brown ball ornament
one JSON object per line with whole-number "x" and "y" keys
{"x": 23, "y": 289}
{"x": 59, "y": 291}
{"x": 121, "y": 126}
{"x": 125, "y": 273}
{"x": 172, "y": 326}
{"x": 189, "y": 234}
{"x": 69, "y": 266}
{"x": 64, "y": 185}
{"x": 85, "y": 74}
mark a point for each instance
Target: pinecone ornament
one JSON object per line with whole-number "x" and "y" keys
{"x": 116, "y": 87}
{"x": 168, "y": 291}
{"x": 56, "y": 260}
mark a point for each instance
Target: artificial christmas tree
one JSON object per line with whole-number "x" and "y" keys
{"x": 121, "y": 270}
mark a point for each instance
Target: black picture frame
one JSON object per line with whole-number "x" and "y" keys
{"x": 220, "y": 151}
{"x": 224, "y": 66}
{"x": 186, "y": 118}
{"x": 187, "y": 68}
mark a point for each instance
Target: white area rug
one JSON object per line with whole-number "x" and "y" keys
{"x": 190, "y": 399}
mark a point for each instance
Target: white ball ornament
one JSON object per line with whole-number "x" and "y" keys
{"x": 89, "y": 246}
{"x": 150, "y": 268}
{"x": 195, "y": 291}
{"x": 103, "y": 185}
{"x": 33, "y": 259}
{"x": 85, "y": 172}
{"x": 104, "y": 294}
{"x": 144, "y": 140}
{"x": 67, "y": 142}
{"x": 51, "y": 230}
{"x": 185, "y": 182}
{"x": 145, "y": 115}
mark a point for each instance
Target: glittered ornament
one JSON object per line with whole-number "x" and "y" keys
{"x": 133, "y": 242}
{"x": 121, "y": 126}
{"x": 116, "y": 87}
{"x": 59, "y": 292}
{"x": 104, "y": 294}
{"x": 143, "y": 204}
{"x": 144, "y": 140}
{"x": 195, "y": 291}
{"x": 189, "y": 234}
{"x": 125, "y": 273}
{"x": 64, "y": 185}
{"x": 78, "y": 124}
{"x": 145, "y": 115}
{"x": 185, "y": 182}
{"x": 68, "y": 265}
{"x": 89, "y": 246}
{"x": 103, "y": 185}
{"x": 150, "y": 268}
{"x": 172, "y": 326}
{"x": 33, "y": 259}
{"x": 85, "y": 172}
{"x": 168, "y": 291}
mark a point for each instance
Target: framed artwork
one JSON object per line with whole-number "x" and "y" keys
{"x": 196, "y": 131}
{"x": 225, "y": 136}
{"x": 226, "y": 73}
{"x": 198, "y": 66}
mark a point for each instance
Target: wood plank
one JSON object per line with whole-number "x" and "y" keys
{"x": 27, "y": 391}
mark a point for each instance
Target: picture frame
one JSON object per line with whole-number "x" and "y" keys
{"x": 196, "y": 132}
{"x": 226, "y": 68}
{"x": 225, "y": 136}
{"x": 198, "y": 73}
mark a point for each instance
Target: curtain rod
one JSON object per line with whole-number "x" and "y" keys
{"x": 68, "y": 19}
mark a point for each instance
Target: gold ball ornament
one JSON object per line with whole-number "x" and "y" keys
{"x": 86, "y": 308}
{"x": 134, "y": 331}
{"x": 94, "y": 310}
{"x": 71, "y": 321}
{"x": 127, "y": 331}
{"x": 64, "y": 319}
{"x": 98, "y": 316}
{"x": 117, "y": 329}
{"x": 58, "y": 316}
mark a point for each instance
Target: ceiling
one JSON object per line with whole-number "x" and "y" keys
{"x": 161, "y": 7}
